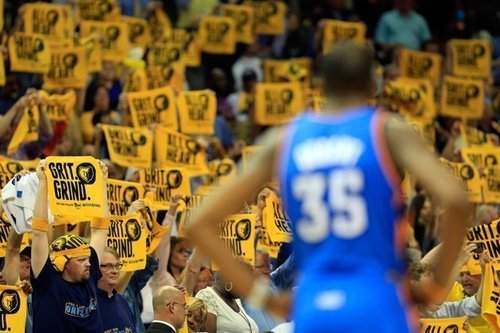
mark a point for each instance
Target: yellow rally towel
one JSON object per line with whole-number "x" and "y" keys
{"x": 217, "y": 35}
{"x": 169, "y": 55}
{"x": 165, "y": 183}
{"x": 47, "y": 19}
{"x": 271, "y": 16}
{"x": 277, "y": 103}
{"x": 129, "y": 146}
{"x": 469, "y": 177}
{"x": 462, "y": 98}
{"x": 244, "y": 18}
{"x": 491, "y": 296}
{"x": 487, "y": 237}
{"x": 13, "y": 309}
{"x": 449, "y": 325}
{"x": 175, "y": 149}
{"x": 474, "y": 137}
{"x": 29, "y": 53}
{"x": 219, "y": 173}
{"x": 189, "y": 42}
{"x": 9, "y": 167}
{"x": 99, "y": 10}
{"x": 411, "y": 97}
{"x": 67, "y": 247}
{"x": 421, "y": 65}
{"x": 335, "y": 31}
{"x": 121, "y": 194}
{"x": 139, "y": 33}
{"x": 154, "y": 229}
{"x": 197, "y": 110}
{"x": 94, "y": 51}
{"x": 481, "y": 157}
{"x": 153, "y": 106}
{"x": 289, "y": 70}
{"x": 491, "y": 185}
{"x": 58, "y": 107}
{"x": 27, "y": 129}
{"x": 128, "y": 238}
{"x": 75, "y": 186}
{"x": 162, "y": 76}
{"x": 276, "y": 221}
{"x": 113, "y": 35}
{"x": 471, "y": 58}
{"x": 68, "y": 69}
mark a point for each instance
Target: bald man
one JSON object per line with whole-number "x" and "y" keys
{"x": 169, "y": 308}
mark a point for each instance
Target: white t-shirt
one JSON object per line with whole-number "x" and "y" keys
{"x": 228, "y": 321}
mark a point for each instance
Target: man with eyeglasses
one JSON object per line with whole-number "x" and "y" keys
{"x": 115, "y": 313}
{"x": 170, "y": 308}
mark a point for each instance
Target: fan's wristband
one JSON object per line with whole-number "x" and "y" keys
{"x": 39, "y": 224}
{"x": 100, "y": 223}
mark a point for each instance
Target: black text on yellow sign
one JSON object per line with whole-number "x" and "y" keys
{"x": 129, "y": 146}
{"x": 58, "y": 107}
{"x": 13, "y": 309}
{"x": 167, "y": 55}
{"x": 29, "y": 53}
{"x": 335, "y": 31}
{"x": 163, "y": 76}
{"x": 491, "y": 185}
{"x": 121, "y": 194}
{"x": 139, "y": 34}
{"x": 154, "y": 229}
{"x": 286, "y": 70}
{"x": 46, "y": 19}
{"x": 276, "y": 220}
{"x": 197, "y": 110}
{"x": 176, "y": 149}
{"x": 217, "y": 35}
{"x": 490, "y": 309}
{"x": 68, "y": 69}
{"x": 98, "y": 10}
{"x": 471, "y": 58}
{"x": 448, "y": 325}
{"x": 278, "y": 103}
{"x": 238, "y": 235}
{"x": 462, "y": 98}
{"x": 271, "y": 17}
{"x": 481, "y": 157}
{"x": 219, "y": 173}
{"x": 487, "y": 236}
{"x": 420, "y": 65}
{"x": 166, "y": 183}
{"x": 93, "y": 48}
{"x": 474, "y": 137}
{"x": 469, "y": 178}
{"x": 75, "y": 186}
{"x": 127, "y": 236}
{"x": 114, "y": 38}
{"x": 27, "y": 129}
{"x": 153, "y": 107}
{"x": 244, "y": 18}
{"x": 411, "y": 97}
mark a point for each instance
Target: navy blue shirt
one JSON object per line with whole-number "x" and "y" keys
{"x": 115, "y": 313}
{"x": 66, "y": 307}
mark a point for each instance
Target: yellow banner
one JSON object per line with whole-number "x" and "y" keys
{"x": 2, "y": 69}
{"x": 448, "y": 325}
{"x": 154, "y": 229}
{"x": 166, "y": 183}
{"x": 114, "y": 38}
{"x": 4, "y": 235}
{"x": 481, "y": 157}
{"x": 68, "y": 69}
{"x": 491, "y": 296}
{"x": 291, "y": 70}
{"x": 128, "y": 238}
{"x": 265, "y": 242}
{"x": 219, "y": 173}
{"x": 411, "y": 97}
{"x": 121, "y": 194}
{"x": 425, "y": 129}
{"x": 9, "y": 167}
{"x": 98, "y": 10}
{"x": 161, "y": 76}
{"x": 244, "y": 18}
{"x": 13, "y": 309}
{"x": 93, "y": 48}
{"x": 474, "y": 137}
{"x": 58, "y": 107}
{"x": 335, "y": 31}
{"x": 491, "y": 185}
{"x": 174, "y": 149}
{"x": 277, "y": 103}
{"x": 217, "y": 35}
{"x": 139, "y": 34}
{"x": 271, "y": 16}
{"x": 471, "y": 58}
{"x": 469, "y": 178}
{"x": 238, "y": 235}
{"x": 29, "y": 53}
{"x": 462, "y": 98}
{"x": 27, "y": 128}
{"x": 75, "y": 186}
{"x": 421, "y": 65}
{"x": 45, "y": 19}
{"x": 276, "y": 221}
{"x": 153, "y": 107}
{"x": 487, "y": 237}
{"x": 197, "y": 111}
{"x": 129, "y": 147}
{"x": 192, "y": 50}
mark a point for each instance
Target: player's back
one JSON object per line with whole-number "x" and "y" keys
{"x": 342, "y": 194}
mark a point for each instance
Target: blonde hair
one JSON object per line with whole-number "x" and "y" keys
{"x": 196, "y": 304}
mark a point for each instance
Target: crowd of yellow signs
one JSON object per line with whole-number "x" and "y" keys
{"x": 47, "y": 45}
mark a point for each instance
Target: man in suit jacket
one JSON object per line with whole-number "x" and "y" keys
{"x": 169, "y": 308}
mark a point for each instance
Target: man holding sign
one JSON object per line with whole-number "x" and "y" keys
{"x": 341, "y": 176}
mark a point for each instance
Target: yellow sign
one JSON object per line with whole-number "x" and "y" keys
{"x": 217, "y": 35}
{"x": 482, "y": 157}
{"x": 219, "y": 173}
{"x": 277, "y": 103}
{"x": 471, "y": 58}
{"x": 75, "y": 186}
{"x": 265, "y": 242}
{"x": 238, "y": 235}
{"x": 139, "y": 34}
{"x": 468, "y": 176}
{"x": 161, "y": 76}
{"x": 487, "y": 237}
{"x": 421, "y": 65}
{"x": 289, "y": 70}
{"x": 462, "y": 98}
{"x": 153, "y": 107}
{"x": 93, "y": 48}
{"x": 448, "y": 325}
{"x": 192, "y": 50}
{"x": 167, "y": 55}
{"x": 45, "y": 19}
{"x": 491, "y": 296}
{"x": 27, "y": 128}
{"x": 244, "y": 18}
{"x": 113, "y": 35}
{"x": 128, "y": 238}
{"x": 129, "y": 147}
{"x": 8, "y": 168}
{"x": 175, "y": 149}
{"x": 271, "y": 16}
{"x": 166, "y": 183}
{"x": 491, "y": 185}
{"x": 29, "y": 53}
{"x": 13, "y": 309}
{"x": 197, "y": 110}
{"x": 335, "y": 31}
{"x": 474, "y": 137}
{"x": 276, "y": 221}
{"x": 411, "y": 97}
{"x": 68, "y": 69}
{"x": 154, "y": 229}
{"x": 98, "y": 10}
{"x": 58, "y": 107}
{"x": 121, "y": 194}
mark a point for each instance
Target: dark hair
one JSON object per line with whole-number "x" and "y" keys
{"x": 348, "y": 69}
{"x": 173, "y": 242}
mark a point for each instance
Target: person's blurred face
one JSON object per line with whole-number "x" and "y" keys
{"x": 108, "y": 71}
{"x": 115, "y": 171}
{"x": 336, "y": 4}
{"x": 403, "y": 5}
{"x": 262, "y": 267}
{"x": 101, "y": 99}
{"x": 249, "y": 86}
{"x": 470, "y": 283}
{"x": 78, "y": 269}
{"x": 109, "y": 269}
{"x": 194, "y": 320}
{"x": 24, "y": 268}
{"x": 179, "y": 256}
{"x": 219, "y": 79}
{"x": 426, "y": 211}
{"x": 293, "y": 23}
{"x": 180, "y": 309}
{"x": 205, "y": 279}
{"x": 11, "y": 88}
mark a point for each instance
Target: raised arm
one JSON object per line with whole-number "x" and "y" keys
{"x": 190, "y": 273}
{"x": 99, "y": 226}
{"x": 39, "y": 244}
{"x": 12, "y": 258}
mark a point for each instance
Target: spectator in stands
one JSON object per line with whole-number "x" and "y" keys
{"x": 204, "y": 279}
{"x": 169, "y": 310}
{"x": 196, "y": 314}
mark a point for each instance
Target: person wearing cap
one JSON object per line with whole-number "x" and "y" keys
{"x": 66, "y": 273}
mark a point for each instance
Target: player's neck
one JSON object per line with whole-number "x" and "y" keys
{"x": 335, "y": 104}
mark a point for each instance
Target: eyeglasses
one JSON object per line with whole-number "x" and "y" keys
{"x": 184, "y": 306}
{"x": 109, "y": 267}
